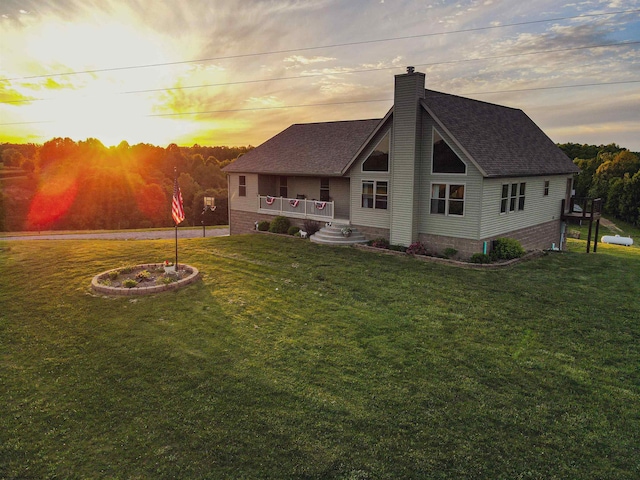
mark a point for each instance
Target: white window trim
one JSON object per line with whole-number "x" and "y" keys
{"x": 369, "y": 172}
{"x": 516, "y": 197}
{"x": 446, "y": 205}
{"x": 466, "y": 165}
{"x": 375, "y": 189}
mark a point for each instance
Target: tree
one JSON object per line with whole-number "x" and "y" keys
{"x": 2, "y": 214}
{"x": 11, "y": 157}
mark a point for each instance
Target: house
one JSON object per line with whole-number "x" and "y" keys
{"x": 445, "y": 170}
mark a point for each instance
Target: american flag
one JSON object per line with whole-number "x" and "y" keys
{"x": 177, "y": 211}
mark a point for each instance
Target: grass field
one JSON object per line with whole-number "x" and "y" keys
{"x": 295, "y": 360}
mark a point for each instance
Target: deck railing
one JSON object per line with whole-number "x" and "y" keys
{"x": 295, "y": 207}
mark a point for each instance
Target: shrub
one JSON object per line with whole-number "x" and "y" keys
{"x": 143, "y": 275}
{"x": 127, "y": 269}
{"x": 129, "y": 283}
{"x": 398, "y": 248}
{"x": 279, "y": 224}
{"x": 480, "y": 258}
{"x": 263, "y": 226}
{"x": 167, "y": 279}
{"x": 311, "y": 227}
{"x": 506, "y": 249}
{"x": 417, "y": 248}
{"x": 113, "y": 274}
{"x": 450, "y": 252}
{"x": 293, "y": 230}
{"x": 380, "y": 243}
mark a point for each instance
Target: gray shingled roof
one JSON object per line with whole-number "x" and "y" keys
{"x": 307, "y": 149}
{"x": 503, "y": 141}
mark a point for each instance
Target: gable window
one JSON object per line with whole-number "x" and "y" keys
{"x": 242, "y": 186}
{"x": 283, "y": 187}
{"x": 445, "y": 160}
{"x": 324, "y": 190}
{"x": 378, "y": 160}
{"x": 375, "y": 194}
{"x": 546, "y": 188}
{"x": 447, "y": 199}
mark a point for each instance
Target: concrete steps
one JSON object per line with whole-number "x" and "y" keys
{"x": 332, "y": 235}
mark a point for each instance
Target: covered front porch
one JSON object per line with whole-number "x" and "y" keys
{"x": 297, "y": 208}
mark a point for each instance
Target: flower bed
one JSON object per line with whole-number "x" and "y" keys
{"x": 143, "y": 279}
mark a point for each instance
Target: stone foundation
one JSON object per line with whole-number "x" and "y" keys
{"x": 371, "y": 233}
{"x": 245, "y": 222}
{"x": 538, "y": 237}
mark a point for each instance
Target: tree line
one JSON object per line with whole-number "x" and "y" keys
{"x": 611, "y": 173}
{"x": 78, "y": 185}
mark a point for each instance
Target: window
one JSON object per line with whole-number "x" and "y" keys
{"x": 546, "y": 188}
{"x": 505, "y": 199}
{"x": 324, "y": 190}
{"x": 512, "y": 198}
{"x": 447, "y": 199}
{"x": 445, "y": 160}
{"x": 242, "y": 186}
{"x": 283, "y": 187}
{"x": 381, "y": 195}
{"x": 378, "y": 160}
{"x": 375, "y": 194}
{"x": 512, "y": 195}
{"x": 521, "y": 196}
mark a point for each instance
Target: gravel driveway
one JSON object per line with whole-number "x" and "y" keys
{"x": 147, "y": 235}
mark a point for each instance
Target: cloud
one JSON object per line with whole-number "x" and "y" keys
{"x": 302, "y": 60}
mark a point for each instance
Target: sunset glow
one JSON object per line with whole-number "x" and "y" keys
{"x": 212, "y": 73}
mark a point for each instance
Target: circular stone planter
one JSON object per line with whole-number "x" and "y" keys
{"x": 192, "y": 274}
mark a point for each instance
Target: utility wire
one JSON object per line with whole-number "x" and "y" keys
{"x": 205, "y": 112}
{"x": 367, "y": 70}
{"x": 319, "y": 47}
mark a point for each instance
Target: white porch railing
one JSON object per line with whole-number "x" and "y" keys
{"x": 296, "y": 208}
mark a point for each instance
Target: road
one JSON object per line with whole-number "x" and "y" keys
{"x": 124, "y": 235}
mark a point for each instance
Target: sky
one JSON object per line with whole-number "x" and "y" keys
{"x": 237, "y": 72}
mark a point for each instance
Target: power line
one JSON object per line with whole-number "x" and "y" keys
{"x": 319, "y": 47}
{"x": 205, "y": 112}
{"x": 367, "y": 70}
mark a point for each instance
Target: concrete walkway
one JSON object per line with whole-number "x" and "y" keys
{"x": 195, "y": 232}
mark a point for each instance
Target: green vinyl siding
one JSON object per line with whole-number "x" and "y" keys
{"x": 248, "y": 203}
{"x": 406, "y": 151}
{"x": 538, "y": 207}
{"x": 465, "y": 226}
{"x": 369, "y": 217}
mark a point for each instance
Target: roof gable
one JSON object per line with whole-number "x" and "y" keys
{"x": 307, "y": 149}
{"x": 501, "y": 141}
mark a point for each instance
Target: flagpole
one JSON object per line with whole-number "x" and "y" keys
{"x": 175, "y": 181}
{"x": 177, "y": 209}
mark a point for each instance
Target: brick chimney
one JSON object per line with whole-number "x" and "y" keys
{"x": 405, "y": 153}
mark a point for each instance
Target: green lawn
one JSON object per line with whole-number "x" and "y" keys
{"x": 295, "y": 360}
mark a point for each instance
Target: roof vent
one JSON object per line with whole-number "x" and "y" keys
{"x": 410, "y": 69}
